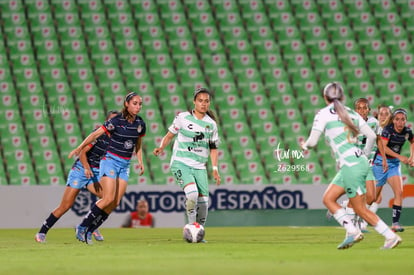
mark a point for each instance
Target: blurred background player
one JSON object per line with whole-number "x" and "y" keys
{"x": 394, "y": 136}
{"x": 197, "y": 138}
{"x": 140, "y": 218}
{"x": 361, "y": 106}
{"x": 84, "y": 172}
{"x": 126, "y": 131}
{"x": 341, "y": 127}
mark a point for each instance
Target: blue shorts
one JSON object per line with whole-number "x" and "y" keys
{"x": 394, "y": 169}
{"x": 77, "y": 178}
{"x": 114, "y": 167}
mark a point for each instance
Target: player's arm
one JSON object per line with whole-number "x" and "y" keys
{"x": 84, "y": 160}
{"x": 393, "y": 154}
{"x": 371, "y": 138}
{"x": 214, "y": 163}
{"x": 381, "y": 149}
{"x": 312, "y": 139}
{"x": 411, "y": 158}
{"x": 164, "y": 143}
{"x": 138, "y": 152}
{"x": 318, "y": 127}
{"x": 88, "y": 140}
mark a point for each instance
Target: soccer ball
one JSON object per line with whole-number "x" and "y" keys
{"x": 193, "y": 232}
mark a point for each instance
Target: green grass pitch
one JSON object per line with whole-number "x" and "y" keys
{"x": 230, "y": 250}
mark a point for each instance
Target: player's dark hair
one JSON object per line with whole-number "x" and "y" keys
{"x": 198, "y": 91}
{"x": 334, "y": 92}
{"x": 399, "y": 111}
{"x": 111, "y": 112}
{"x": 361, "y": 100}
{"x": 124, "y": 111}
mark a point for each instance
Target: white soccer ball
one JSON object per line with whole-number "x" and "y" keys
{"x": 193, "y": 232}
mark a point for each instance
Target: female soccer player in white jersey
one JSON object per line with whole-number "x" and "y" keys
{"x": 361, "y": 106}
{"x": 341, "y": 125}
{"x": 197, "y": 138}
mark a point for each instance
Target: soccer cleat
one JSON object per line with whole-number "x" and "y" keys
{"x": 391, "y": 243}
{"x": 89, "y": 238}
{"x": 80, "y": 233}
{"x": 396, "y": 227}
{"x": 97, "y": 235}
{"x": 203, "y": 241}
{"x": 350, "y": 240}
{"x": 40, "y": 237}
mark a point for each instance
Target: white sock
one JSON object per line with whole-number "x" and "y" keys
{"x": 374, "y": 207}
{"x": 191, "y": 193}
{"x": 351, "y": 214}
{"x": 384, "y": 230}
{"x": 345, "y": 221}
{"x": 202, "y": 210}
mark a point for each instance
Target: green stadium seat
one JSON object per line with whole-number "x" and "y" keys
{"x": 303, "y": 8}
{"x": 331, "y": 7}
{"x": 134, "y": 177}
{"x": 160, "y": 168}
{"x": 12, "y": 6}
{"x": 354, "y": 8}
{"x": 400, "y": 48}
{"x": 341, "y": 35}
{"x": 362, "y": 88}
{"x": 310, "y": 21}
{"x": 362, "y": 20}
{"x": 291, "y": 49}
{"x": 226, "y": 168}
{"x": 369, "y": 34}
{"x": 309, "y": 172}
{"x": 334, "y": 21}
{"x": 293, "y": 134}
{"x": 288, "y": 34}
{"x": 299, "y": 62}
{"x": 350, "y": 62}
{"x": 390, "y": 93}
{"x": 382, "y": 8}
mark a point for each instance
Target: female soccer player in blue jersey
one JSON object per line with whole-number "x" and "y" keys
{"x": 341, "y": 126}
{"x": 84, "y": 174}
{"x": 126, "y": 131}
{"x": 197, "y": 138}
{"x": 394, "y": 135}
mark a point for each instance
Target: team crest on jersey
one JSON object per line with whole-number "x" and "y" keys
{"x": 128, "y": 144}
{"x": 139, "y": 129}
{"x": 110, "y": 127}
{"x": 112, "y": 172}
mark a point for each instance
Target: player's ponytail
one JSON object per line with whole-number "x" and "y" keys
{"x": 334, "y": 93}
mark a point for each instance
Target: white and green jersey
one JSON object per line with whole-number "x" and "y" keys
{"x": 338, "y": 136}
{"x": 194, "y": 138}
{"x": 374, "y": 125}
